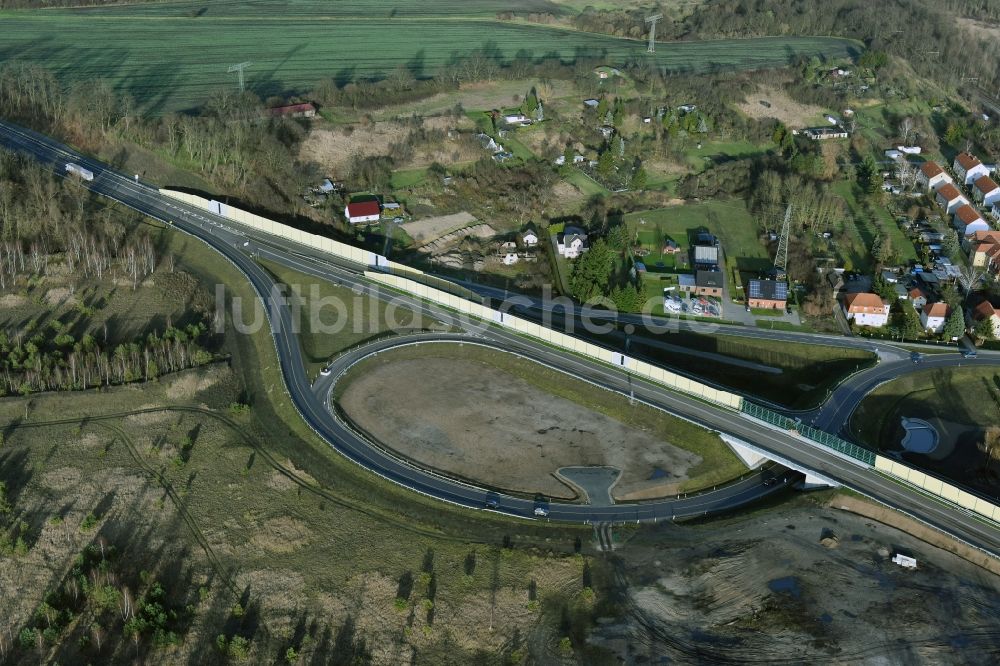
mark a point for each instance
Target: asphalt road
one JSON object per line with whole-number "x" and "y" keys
{"x": 237, "y": 247}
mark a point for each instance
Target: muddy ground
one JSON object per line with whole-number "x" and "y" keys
{"x": 800, "y": 583}
{"x": 479, "y": 422}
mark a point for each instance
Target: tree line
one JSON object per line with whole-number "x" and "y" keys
{"x": 54, "y": 360}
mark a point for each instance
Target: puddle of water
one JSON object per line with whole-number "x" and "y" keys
{"x": 788, "y": 584}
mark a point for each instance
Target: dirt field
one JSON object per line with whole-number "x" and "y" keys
{"x": 481, "y": 423}
{"x": 783, "y": 107}
{"x": 799, "y": 583}
{"x": 475, "y": 96}
{"x": 431, "y": 228}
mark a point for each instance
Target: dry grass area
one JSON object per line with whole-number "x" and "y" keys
{"x": 479, "y": 95}
{"x": 784, "y": 108}
{"x": 483, "y": 423}
{"x": 336, "y": 148}
{"x": 310, "y": 569}
{"x": 980, "y": 29}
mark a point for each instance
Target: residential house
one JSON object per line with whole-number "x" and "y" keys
{"x": 933, "y": 316}
{"x": 572, "y": 242}
{"x": 607, "y": 131}
{"x": 670, "y": 247}
{"x": 508, "y": 253}
{"x": 902, "y": 293}
{"x": 489, "y": 143}
{"x": 305, "y": 110}
{"x": 767, "y": 294}
{"x": 968, "y": 221}
{"x": 918, "y": 299}
{"x": 517, "y": 119}
{"x": 866, "y": 309}
{"x": 706, "y": 256}
{"x": 591, "y": 103}
{"x": 708, "y": 283}
{"x": 985, "y": 310}
{"x": 529, "y": 237}
{"x": 890, "y": 276}
{"x": 985, "y": 191}
{"x": 359, "y": 212}
{"x": 984, "y": 250}
{"x": 968, "y": 168}
{"x": 931, "y": 176}
{"x": 686, "y": 282}
{"x": 949, "y": 198}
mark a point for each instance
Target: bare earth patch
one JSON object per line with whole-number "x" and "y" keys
{"x": 979, "y": 29}
{"x": 192, "y": 382}
{"x": 430, "y": 228}
{"x": 12, "y": 300}
{"x": 783, "y": 107}
{"x": 59, "y": 296}
{"x": 482, "y": 423}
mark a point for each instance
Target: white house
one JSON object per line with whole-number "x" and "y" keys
{"x": 909, "y": 150}
{"x": 931, "y": 176}
{"x": 572, "y": 242}
{"x": 517, "y": 119}
{"x": 968, "y": 221}
{"x": 529, "y": 237}
{"x": 866, "y": 309}
{"x": 949, "y": 198}
{"x": 934, "y": 315}
{"x": 986, "y": 311}
{"x": 362, "y": 211}
{"x": 968, "y": 168}
{"x": 985, "y": 191}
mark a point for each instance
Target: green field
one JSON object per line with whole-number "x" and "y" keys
{"x": 171, "y": 57}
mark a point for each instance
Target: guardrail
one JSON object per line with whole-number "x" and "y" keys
{"x": 819, "y": 436}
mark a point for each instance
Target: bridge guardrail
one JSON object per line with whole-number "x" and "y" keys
{"x": 819, "y": 436}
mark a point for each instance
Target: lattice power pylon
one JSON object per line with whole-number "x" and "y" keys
{"x": 781, "y": 257}
{"x": 239, "y": 70}
{"x": 652, "y": 32}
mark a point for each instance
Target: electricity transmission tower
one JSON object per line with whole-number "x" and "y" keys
{"x": 652, "y": 31}
{"x": 781, "y": 257}
{"x": 239, "y": 71}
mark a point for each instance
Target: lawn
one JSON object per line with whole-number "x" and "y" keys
{"x": 333, "y": 318}
{"x": 722, "y": 150}
{"x": 729, "y": 220}
{"x": 868, "y": 224}
{"x": 174, "y": 56}
{"x": 405, "y": 178}
{"x": 582, "y": 181}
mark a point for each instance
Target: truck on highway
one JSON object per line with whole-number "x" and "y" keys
{"x": 76, "y": 169}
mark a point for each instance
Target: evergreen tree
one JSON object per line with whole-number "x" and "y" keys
{"x": 954, "y": 326}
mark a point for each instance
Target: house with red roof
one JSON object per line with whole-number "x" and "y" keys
{"x": 985, "y": 310}
{"x": 968, "y": 168}
{"x": 359, "y": 212}
{"x": 949, "y": 198}
{"x": 933, "y": 317}
{"x": 984, "y": 250}
{"x": 968, "y": 221}
{"x": 304, "y": 110}
{"x": 931, "y": 176}
{"x": 985, "y": 191}
{"x": 917, "y": 297}
{"x": 866, "y": 309}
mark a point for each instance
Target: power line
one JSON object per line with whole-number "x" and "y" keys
{"x": 652, "y": 32}
{"x": 239, "y": 71}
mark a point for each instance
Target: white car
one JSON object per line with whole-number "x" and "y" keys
{"x": 541, "y": 511}
{"x": 325, "y": 372}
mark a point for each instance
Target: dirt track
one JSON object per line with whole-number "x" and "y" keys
{"x": 479, "y": 422}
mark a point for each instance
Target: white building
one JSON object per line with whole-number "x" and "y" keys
{"x": 985, "y": 191}
{"x": 517, "y": 119}
{"x": 572, "y": 242}
{"x": 934, "y": 316}
{"x": 949, "y": 198}
{"x": 968, "y": 221}
{"x": 362, "y": 211}
{"x": 931, "y": 176}
{"x": 866, "y": 309}
{"x": 529, "y": 237}
{"x": 968, "y": 168}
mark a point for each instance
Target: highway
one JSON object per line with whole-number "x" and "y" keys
{"x": 225, "y": 237}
